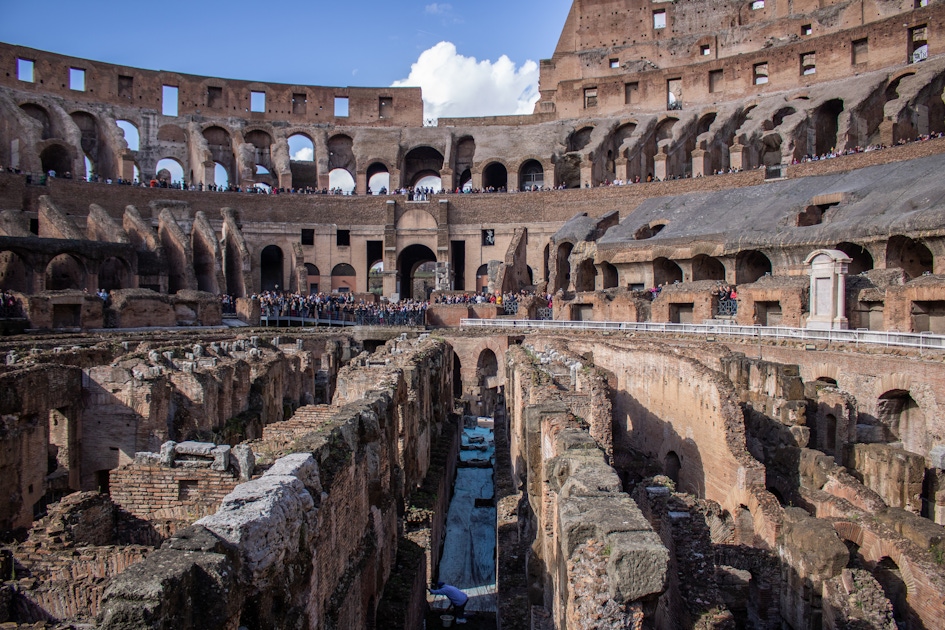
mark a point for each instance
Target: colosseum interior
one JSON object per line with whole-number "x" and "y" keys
{"x": 716, "y": 401}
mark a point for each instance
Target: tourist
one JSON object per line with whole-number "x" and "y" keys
{"x": 457, "y": 599}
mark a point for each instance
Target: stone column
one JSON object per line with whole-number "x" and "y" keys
{"x": 360, "y": 182}
{"x": 659, "y": 165}
{"x": 700, "y": 163}
{"x": 735, "y": 157}
{"x": 622, "y": 168}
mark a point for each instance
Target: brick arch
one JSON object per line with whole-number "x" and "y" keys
{"x": 480, "y": 165}
{"x": 821, "y": 370}
{"x": 893, "y": 381}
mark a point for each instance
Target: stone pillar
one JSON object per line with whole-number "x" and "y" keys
{"x": 360, "y": 182}
{"x": 659, "y": 165}
{"x": 512, "y": 181}
{"x": 700, "y": 163}
{"x": 622, "y": 168}
{"x": 587, "y": 174}
{"x": 127, "y": 167}
{"x": 735, "y": 156}
{"x": 476, "y": 180}
{"x": 828, "y": 269}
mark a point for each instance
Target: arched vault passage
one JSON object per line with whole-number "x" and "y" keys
{"x": 408, "y": 262}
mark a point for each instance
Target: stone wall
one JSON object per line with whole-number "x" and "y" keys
{"x": 312, "y": 541}
{"x": 578, "y": 515}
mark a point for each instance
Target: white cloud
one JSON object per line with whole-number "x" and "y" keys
{"x": 305, "y": 154}
{"x": 455, "y": 86}
{"x": 437, "y": 8}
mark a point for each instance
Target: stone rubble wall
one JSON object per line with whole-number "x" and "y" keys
{"x": 312, "y": 541}
{"x": 576, "y": 504}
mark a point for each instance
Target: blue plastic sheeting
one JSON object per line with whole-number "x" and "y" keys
{"x": 469, "y": 547}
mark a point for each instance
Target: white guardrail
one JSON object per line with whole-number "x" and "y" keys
{"x": 859, "y": 336}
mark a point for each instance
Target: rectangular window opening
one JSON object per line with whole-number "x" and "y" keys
{"x": 807, "y": 29}
{"x": 77, "y": 79}
{"x": 343, "y": 238}
{"x": 861, "y": 51}
{"x": 590, "y": 97}
{"x": 299, "y": 103}
{"x": 757, "y": 4}
{"x": 918, "y": 44}
{"x": 631, "y": 92}
{"x": 488, "y": 238}
{"x": 126, "y": 87}
{"x": 705, "y": 50}
{"x": 257, "y": 101}
{"x": 674, "y": 94}
{"x": 385, "y": 107}
{"x": 341, "y": 106}
{"x": 614, "y": 63}
{"x": 808, "y": 64}
{"x": 308, "y": 236}
{"x": 715, "y": 81}
{"x": 920, "y": 3}
{"x": 214, "y": 97}
{"x": 169, "y": 100}
{"x": 760, "y": 73}
{"x": 659, "y": 18}
{"x": 24, "y": 70}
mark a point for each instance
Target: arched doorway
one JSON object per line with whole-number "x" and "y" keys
{"x": 270, "y": 269}
{"x": 408, "y": 263}
{"x": 904, "y": 420}
{"x": 14, "y": 273}
{"x": 56, "y": 158}
{"x": 707, "y": 268}
{"x": 495, "y": 177}
{"x": 671, "y": 466}
{"x": 302, "y": 161}
{"x": 344, "y": 278}
{"x": 909, "y": 255}
{"x": 482, "y": 278}
{"x": 665, "y": 271}
{"x": 586, "y": 276}
{"x": 861, "y": 258}
{"x": 609, "y": 280}
{"x": 65, "y": 272}
{"x": 889, "y": 576}
{"x": 378, "y": 179}
{"x": 750, "y": 265}
{"x": 314, "y": 278}
{"x": 531, "y": 176}
{"x": 421, "y": 162}
{"x": 114, "y": 274}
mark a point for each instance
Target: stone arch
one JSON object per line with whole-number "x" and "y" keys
{"x": 665, "y": 271}
{"x": 113, "y": 274}
{"x": 608, "y": 276}
{"x": 892, "y": 88}
{"x": 664, "y": 130}
{"x": 531, "y": 174}
{"x": 751, "y": 265}
{"x": 495, "y": 175}
{"x": 65, "y": 271}
{"x": 705, "y": 122}
{"x": 262, "y": 147}
{"x": 131, "y": 133}
{"x": 220, "y": 144}
{"x": 93, "y": 144}
{"x": 378, "y": 176}
{"x": 341, "y": 153}
{"x": 270, "y": 268}
{"x": 482, "y": 278}
{"x": 861, "y": 259}
{"x": 905, "y": 421}
{"x": 344, "y": 278}
{"x": 580, "y": 138}
{"x": 420, "y": 162}
{"x": 408, "y": 261}
{"x": 563, "y": 267}
{"x": 302, "y": 162}
{"x": 15, "y": 273}
{"x": 778, "y": 118}
{"x": 169, "y": 170}
{"x": 825, "y": 121}
{"x": 56, "y": 157}
{"x": 910, "y": 255}
{"x": 417, "y": 219}
{"x": 40, "y": 114}
{"x": 707, "y": 268}
{"x": 887, "y": 573}
{"x": 464, "y": 158}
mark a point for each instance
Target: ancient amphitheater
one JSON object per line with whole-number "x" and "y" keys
{"x": 666, "y": 454}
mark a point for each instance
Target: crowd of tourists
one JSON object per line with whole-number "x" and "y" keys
{"x": 342, "y": 307}
{"x": 10, "y": 305}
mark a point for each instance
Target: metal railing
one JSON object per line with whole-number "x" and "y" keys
{"x": 859, "y": 336}
{"x": 332, "y": 317}
{"x": 727, "y": 308}
{"x": 511, "y": 307}
{"x": 545, "y": 313}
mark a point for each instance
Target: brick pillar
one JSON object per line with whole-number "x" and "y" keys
{"x": 622, "y": 168}
{"x": 360, "y": 182}
{"x": 735, "y": 157}
{"x": 700, "y": 163}
{"x": 659, "y": 165}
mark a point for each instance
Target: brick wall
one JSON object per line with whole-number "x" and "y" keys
{"x": 157, "y": 493}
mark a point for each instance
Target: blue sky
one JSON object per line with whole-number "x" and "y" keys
{"x": 368, "y": 43}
